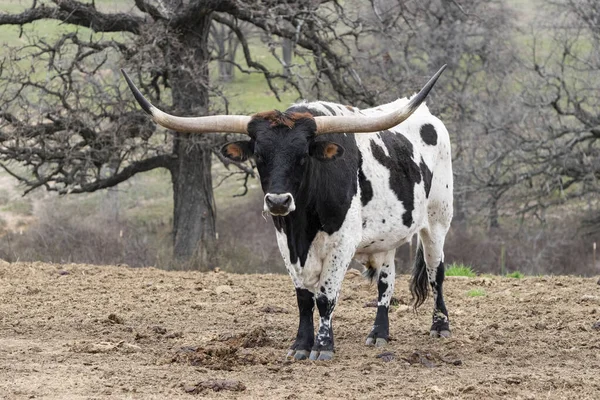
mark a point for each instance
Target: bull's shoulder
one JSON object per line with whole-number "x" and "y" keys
{"x": 320, "y": 108}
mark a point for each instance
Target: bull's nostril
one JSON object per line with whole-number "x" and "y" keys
{"x": 269, "y": 201}
{"x": 286, "y": 201}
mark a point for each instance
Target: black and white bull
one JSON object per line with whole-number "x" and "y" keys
{"x": 343, "y": 183}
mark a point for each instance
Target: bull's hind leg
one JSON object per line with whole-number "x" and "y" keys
{"x": 385, "y": 273}
{"x": 305, "y": 339}
{"x": 430, "y": 252}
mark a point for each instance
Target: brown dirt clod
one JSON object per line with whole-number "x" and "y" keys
{"x": 217, "y": 385}
{"x": 274, "y": 310}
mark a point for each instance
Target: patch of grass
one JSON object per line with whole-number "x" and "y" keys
{"x": 4, "y": 197}
{"x": 460, "y": 270}
{"x": 476, "y": 293}
{"x": 20, "y": 207}
{"x": 154, "y": 216}
{"x": 516, "y": 275}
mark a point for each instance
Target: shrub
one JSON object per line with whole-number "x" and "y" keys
{"x": 476, "y": 293}
{"x": 455, "y": 269}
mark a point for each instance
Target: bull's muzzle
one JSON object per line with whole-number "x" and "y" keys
{"x": 279, "y": 204}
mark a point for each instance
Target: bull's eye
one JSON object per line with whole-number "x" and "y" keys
{"x": 258, "y": 158}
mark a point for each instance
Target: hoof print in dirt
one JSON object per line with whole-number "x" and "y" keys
{"x": 372, "y": 303}
{"x": 215, "y": 385}
{"x": 596, "y": 326}
{"x": 274, "y": 310}
{"x": 105, "y": 347}
{"x": 115, "y": 319}
{"x": 430, "y": 359}
{"x": 159, "y": 330}
{"x": 387, "y": 356}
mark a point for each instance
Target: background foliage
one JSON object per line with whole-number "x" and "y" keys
{"x": 520, "y": 99}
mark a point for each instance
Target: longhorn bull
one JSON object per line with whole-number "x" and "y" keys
{"x": 343, "y": 183}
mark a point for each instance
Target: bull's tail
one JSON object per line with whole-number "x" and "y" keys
{"x": 419, "y": 284}
{"x": 370, "y": 273}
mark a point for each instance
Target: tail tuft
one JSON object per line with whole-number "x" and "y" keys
{"x": 369, "y": 273}
{"x": 419, "y": 284}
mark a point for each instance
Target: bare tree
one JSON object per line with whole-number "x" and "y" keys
{"x": 67, "y": 117}
{"x": 475, "y": 39}
{"x": 63, "y": 115}
{"x": 225, "y": 44}
{"x": 562, "y": 88}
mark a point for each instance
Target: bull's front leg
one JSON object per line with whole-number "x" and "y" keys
{"x": 330, "y": 285}
{"x": 305, "y": 338}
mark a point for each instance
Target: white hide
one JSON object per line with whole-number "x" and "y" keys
{"x": 431, "y": 217}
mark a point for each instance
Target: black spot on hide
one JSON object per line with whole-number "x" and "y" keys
{"x": 429, "y": 135}
{"x": 331, "y": 110}
{"x": 427, "y": 176}
{"x": 404, "y": 172}
{"x": 366, "y": 189}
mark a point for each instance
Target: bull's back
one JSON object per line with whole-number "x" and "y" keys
{"x": 397, "y": 171}
{"x": 403, "y": 168}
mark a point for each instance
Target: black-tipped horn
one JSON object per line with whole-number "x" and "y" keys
{"x": 208, "y": 124}
{"x": 356, "y": 124}
{"x": 144, "y": 103}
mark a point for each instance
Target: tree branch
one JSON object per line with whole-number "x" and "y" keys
{"x": 77, "y": 13}
{"x": 150, "y": 10}
{"x": 161, "y": 161}
{"x": 269, "y": 76}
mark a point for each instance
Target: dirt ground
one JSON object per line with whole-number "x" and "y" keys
{"x": 95, "y": 332}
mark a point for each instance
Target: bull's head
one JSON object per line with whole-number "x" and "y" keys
{"x": 283, "y": 144}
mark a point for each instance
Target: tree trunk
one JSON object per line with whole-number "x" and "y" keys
{"x": 232, "y": 44}
{"x": 220, "y": 38}
{"x": 194, "y": 209}
{"x": 493, "y": 215}
{"x": 287, "y": 49}
{"x": 460, "y": 215}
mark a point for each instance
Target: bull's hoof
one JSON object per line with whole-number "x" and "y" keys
{"x": 323, "y": 355}
{"x": 444, "y": 333}
{"x": 379, "y": 342}
{"x": 440, "y": 328}
{"x": 298, "y": 354}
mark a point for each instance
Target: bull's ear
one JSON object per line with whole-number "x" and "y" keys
{"x": 237, "y": 151}
{"x": 325, "y": 151}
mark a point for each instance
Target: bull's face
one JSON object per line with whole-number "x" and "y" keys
{"x": 283, "y": 146}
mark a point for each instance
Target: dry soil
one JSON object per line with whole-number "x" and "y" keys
{"x": 84, "y": 331}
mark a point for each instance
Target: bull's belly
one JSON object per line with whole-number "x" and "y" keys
{"x": 383, "y": 228}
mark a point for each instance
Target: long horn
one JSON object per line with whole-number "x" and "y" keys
{"x": 213, "y": 123}
{"x": 356, "y": 124}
